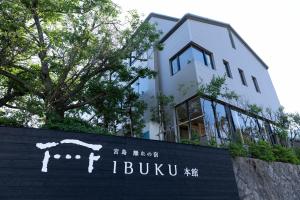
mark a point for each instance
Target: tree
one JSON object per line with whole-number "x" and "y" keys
{"x": 294, "y": 128}
{"x": 60, "y": 57}
{"x": 160, "y": 115}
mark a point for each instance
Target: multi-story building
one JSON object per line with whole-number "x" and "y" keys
{"x": 195, "y": 50}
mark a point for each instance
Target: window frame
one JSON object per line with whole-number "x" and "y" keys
{"x": 227, "y": 69}
{"x": 242, "y": 76}
{"x": 196, "y": 47}
{"x": 229, "y": 108}
{"x": 255, "y": 83}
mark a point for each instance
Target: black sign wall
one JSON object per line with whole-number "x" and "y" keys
{"x": 44, "y": 164}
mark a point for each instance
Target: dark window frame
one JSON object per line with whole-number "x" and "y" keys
{"x": 228, "y": 108}
{"x": 227, "y": 69}
{"x": 178, "y": 65}
{"x": 242, "y": 76}
{"x": 197, "y": 47}
{"x": 257, "y": 88}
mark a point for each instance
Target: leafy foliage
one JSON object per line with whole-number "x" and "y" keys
{"x": 237, "y": 150}
{"x": 158, "y": 112}
{"x": 62, "y": 57}
{"x": 74, "y": 125}
{"x": 217, "y": 88}
{"x": 187, "y": 141}
{"x": 283, "y": 154}
{"x": 262, "y": 150}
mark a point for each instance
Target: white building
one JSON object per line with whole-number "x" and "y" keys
{"x": 195, "y": 50}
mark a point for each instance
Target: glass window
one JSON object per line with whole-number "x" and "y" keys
{"x": 272, "y": 133}
{"x": 197, "y": 122}
{"x": 184, "y": 131}
{"x": 209, "y": 118}
{"x": 198, "y": 56}
{"x": 223, "y": 124}
{"x": 255, "y": 84}
{"x": 208, "y": 60}
{"x": 181, "y": 111}
{"x": 242, "y": 75}
{"x": 195, "y": 108}
{"x": 175, "y": 65}
{"x": 198, "y": 130}
{"x": 186, "y": 57}
{"x": 182, "y": 120}
{"x": 246, "y": 126}
{"x": 191, "y": 53}
{"x": 227, "y": 68}
{"x": 263, "y": 130}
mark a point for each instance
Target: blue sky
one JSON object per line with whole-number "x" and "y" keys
{"x": 270, "y": 27}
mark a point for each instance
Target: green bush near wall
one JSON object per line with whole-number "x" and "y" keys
{"x": 237, "y": 150}
{"x": 187, "y": 141}
{"x": 297, "y": 152}
{"x": 261, "y": 150}
{"x": 264, "y": 151}
{"x": 74, "y": 125}
{"x": 283, "y": 154}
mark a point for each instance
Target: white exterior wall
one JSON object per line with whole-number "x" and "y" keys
{"x": 216, "y": 40}
{"x": 186, "y": 76}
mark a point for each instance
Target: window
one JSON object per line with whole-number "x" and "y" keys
{"x": 246, "y": 126}
{"x": 255, "y": 84}
{"x": 175, "y": 65}
{"x": 182, "y": 120}
{"x": 242, "y": 75}
{"x": 227, "y": 68}
{"x": 222, "y": 123}
{"x": 199, "y": 56}
{"x": 185, "y": 58}
{"x": 190, "y": 121}
{"x": 191, "y": 53}
{"x": 208, "y": 60}
{"x": 196, "y": 121}
{"x": 209, "y": 118}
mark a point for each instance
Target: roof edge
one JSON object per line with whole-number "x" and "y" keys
{"x": 160, "y": 16}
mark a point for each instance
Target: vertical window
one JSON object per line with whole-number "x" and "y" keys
{"x": 196, "y": 121}
{"x": 255, "y": 84}
{"x": 183, "y": 121}
{"x": 246, "y": 126}
{"x": 242, "y": 75}
{"x": 222, "y": 123}
{"x": 227, "y": 68}
{"x": 175, "y": 65}
{"x": 185, "y": 58}
{"x": 231, "y": 39}
{"x": 209, "y": 119}
{"x": 208, "y": 60}
{"x": 199, "y": 56}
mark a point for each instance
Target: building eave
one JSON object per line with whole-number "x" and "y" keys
{"x": 160, "y": 16}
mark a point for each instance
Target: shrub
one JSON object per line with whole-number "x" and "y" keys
{"x": 213, "y": 142}
{"x": 237, "y": 149}
{"x": 283, "y": 154}
{"x": 297, "y": 152}
{"x": 187, "y": 141}
{"x": 73, "y": 124}
{"x": 261, "y": 150}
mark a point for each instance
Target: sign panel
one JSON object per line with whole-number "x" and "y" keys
{"x": 45, "y": 164}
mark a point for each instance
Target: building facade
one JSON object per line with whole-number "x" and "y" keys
{"x": 196, "y": 49}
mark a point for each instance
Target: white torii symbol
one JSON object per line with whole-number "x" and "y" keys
{"x": 48, "y": 145}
